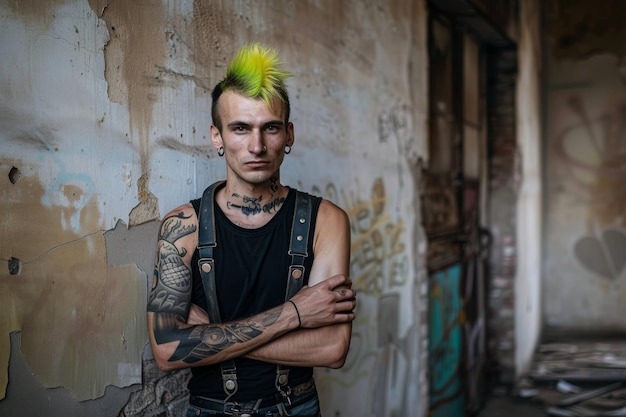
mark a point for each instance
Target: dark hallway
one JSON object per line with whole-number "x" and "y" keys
{"x": 554, "y": 209}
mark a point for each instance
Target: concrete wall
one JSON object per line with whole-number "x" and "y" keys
{"x": 104, "y": 127}
{"x": 528, "y": 218}
{"x": 515, "y": 198}
{"x": 584, "y": 281}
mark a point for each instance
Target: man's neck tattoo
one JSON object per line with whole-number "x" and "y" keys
{"x": 254, "y": 205}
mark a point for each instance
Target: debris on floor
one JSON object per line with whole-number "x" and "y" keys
{"x": 578, "y": 379}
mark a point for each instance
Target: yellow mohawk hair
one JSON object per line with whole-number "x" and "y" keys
{"x": 255, "y": 72}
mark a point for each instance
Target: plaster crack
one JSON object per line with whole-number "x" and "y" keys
{"x": 184, "y": 76}
{"x": 61, "y": 245}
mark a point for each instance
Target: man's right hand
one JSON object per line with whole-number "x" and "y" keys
{"x": 332, "y": 301}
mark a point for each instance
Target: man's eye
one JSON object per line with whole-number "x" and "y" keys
{"x": 272, "y": 128}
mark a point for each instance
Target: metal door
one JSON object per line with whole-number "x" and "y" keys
{"x": 452, "y": 193}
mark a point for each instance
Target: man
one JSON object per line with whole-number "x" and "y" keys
{"x": 224, "y": 307}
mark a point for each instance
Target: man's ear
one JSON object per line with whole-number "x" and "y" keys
{"x": 216, "y": 137}
{"x": 290, "y": 134}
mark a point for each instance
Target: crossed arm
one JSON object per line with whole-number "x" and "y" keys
{"x": 325, "y": 307}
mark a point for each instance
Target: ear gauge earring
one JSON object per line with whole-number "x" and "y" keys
{"x": 287, "y": 149}
{"x": 220, "y": 151}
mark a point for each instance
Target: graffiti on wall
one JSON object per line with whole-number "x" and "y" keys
{"x": 603, "y": 254}
{"x": 593, "y": 152}
{"x": 380, "y": 269}
{"x": 445, "y": 336}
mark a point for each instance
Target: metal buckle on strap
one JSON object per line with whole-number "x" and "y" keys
{"x": 282, "y": 383}
{"x": 286, "y": 395}
{"x": 229, "y": 377}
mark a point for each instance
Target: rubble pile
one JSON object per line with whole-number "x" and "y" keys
{"x": 580, "y": 379}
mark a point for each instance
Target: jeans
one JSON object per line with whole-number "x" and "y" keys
{"x": 304, "y": 404}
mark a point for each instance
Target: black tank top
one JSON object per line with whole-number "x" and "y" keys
{"x": 251, "y": 269}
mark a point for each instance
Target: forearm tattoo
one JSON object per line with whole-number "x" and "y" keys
{"x": 172, "y": 278}
{"x": 203, "y": 341}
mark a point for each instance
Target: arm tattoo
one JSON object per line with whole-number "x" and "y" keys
{"x": 199, "y": 342}
{"x": 172, "y": 277}
{"x": 173, "y": 229}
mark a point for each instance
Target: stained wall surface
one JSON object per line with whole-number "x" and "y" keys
{"x": 585, "y": 235}
{"x": 104, "y": 127}
{"x": 528, "y": 219}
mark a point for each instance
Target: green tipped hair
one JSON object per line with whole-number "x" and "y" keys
{"x": 256, "y": 73}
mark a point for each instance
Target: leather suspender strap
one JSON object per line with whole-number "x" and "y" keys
{"x": 206, "y": 242}
{"x": 300, "y": 229}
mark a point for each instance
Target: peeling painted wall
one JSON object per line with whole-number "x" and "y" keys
{"x": 585, "y": 269}
{"x": 104, "y": 126}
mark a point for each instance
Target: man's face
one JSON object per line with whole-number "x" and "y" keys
{"x": 253, "y": 136}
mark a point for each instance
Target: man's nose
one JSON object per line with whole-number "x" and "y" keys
{"x": 257, "y": 144}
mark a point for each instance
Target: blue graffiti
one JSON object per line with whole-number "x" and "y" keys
{"x": 445, "y": 343}
{"x": 55, "y": 196}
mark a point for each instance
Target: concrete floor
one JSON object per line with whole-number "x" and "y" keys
{"x": 500, "y": 404}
